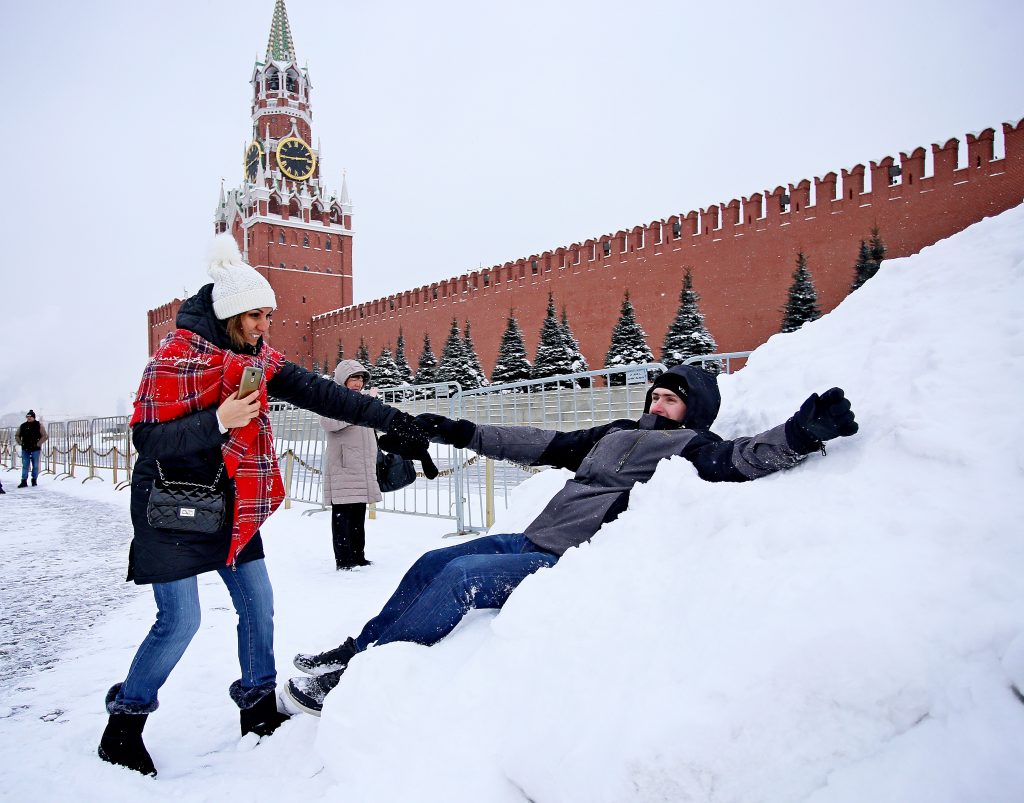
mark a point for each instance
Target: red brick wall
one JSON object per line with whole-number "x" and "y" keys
{"x": 742, "y": 262}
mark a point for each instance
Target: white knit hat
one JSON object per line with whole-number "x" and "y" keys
{"x": 237, "y": 287}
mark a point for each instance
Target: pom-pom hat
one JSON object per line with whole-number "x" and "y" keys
{"x": 237, "y": 287}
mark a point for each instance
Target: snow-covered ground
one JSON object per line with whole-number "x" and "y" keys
{"x": 848, "y": 631}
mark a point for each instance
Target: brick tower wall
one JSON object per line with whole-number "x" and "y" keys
{"x": 742, "y": 255}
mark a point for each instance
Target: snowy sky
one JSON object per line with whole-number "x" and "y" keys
{"x": 472, "y": 134}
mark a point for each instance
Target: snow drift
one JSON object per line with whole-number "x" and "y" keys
{"x": 846, "y": 631}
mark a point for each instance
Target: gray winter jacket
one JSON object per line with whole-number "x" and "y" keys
{"x": 609, "y": 460}
{"x": 350, "y": 459}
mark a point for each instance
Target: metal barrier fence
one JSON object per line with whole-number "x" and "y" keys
{"x": 81, "y": 445}
{"x": 467, "y": 486}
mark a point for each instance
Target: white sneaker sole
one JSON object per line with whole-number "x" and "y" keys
{"x": 292, "y": 701}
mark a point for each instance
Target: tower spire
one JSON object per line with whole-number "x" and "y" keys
{"x": 280, "y": 46}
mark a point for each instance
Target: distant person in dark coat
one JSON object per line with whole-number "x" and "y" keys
{"x": 191, "y": 426}
{"x": 443, "y": 585}
{"x": 31, "y": 436}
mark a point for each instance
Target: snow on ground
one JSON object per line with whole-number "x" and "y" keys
{"x": 846, "y": 631}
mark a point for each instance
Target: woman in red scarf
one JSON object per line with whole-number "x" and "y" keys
{"x": 189, "y": 426}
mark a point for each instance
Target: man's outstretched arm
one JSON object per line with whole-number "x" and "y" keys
{"x": 819, "y": 419}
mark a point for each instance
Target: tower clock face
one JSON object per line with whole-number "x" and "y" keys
{"x": 253, "y": 157}
{"x": 295, "y": 158}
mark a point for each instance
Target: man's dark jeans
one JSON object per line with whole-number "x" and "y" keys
{"x": 443, "y": 585}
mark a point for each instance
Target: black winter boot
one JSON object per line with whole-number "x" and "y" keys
{"x": 23, "y": 484}
{"x": 122, "y": 744}
{"x": 263, "y": 718}
{"x": 309, "y": 693}
{"x": 329, "y": 661}
{"x": 34, "y": 483}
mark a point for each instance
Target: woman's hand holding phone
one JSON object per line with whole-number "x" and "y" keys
{"x": 235, "y": 412}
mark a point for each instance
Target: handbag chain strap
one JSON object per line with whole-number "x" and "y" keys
{"x": 166, "y": 481}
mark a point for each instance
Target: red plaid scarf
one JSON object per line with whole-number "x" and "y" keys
{"x": 188, "y": 374}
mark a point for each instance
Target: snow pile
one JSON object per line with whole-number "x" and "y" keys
{"x": 845, "y": 631}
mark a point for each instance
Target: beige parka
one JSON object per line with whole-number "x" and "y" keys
{"x": 350, "y": 459}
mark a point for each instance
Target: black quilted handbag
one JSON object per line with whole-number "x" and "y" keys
{"x": 394, "y": 472}
{"x": 186, "y": 506}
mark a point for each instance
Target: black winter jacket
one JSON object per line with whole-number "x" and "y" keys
{"x": 610, "y": 459}
{"x": 188, "y": 449}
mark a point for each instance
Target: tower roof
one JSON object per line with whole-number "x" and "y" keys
{"x": 280, "y": 46}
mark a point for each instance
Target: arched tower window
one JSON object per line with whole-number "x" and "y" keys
{"x": 327, "y": 244}
{"x": 293, "y": 208}
{"x": 273, "y": 80}
{"x": 291, "y": 82}
{"x": 305, "y": 241}
{"x": 274, "y": 207}
{"x": 280, "y": 236}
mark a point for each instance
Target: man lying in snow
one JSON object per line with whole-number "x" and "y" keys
{"x": 443, "y": 585}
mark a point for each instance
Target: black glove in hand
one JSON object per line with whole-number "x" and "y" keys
{"x": 822, "y": 418}
{"x": 407, "y": 439}
{"x": 447, "y": 430}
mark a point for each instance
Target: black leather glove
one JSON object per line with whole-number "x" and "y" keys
{"x": 457, "y": 433}
{"x": 407, "y": 439}
{"x": 821, "y": 418}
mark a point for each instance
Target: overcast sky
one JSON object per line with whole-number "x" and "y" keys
{"x": 472, "y": 133}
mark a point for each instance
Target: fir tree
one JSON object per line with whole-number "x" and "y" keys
{"x": 455, "y": 362}
{"x": 629, "y": 343}
{"x": 552, "y": 355}
{"x": 876, "y": 251}
{"x": 316, "y": 367}
{"x": 688, "y": 336}
{"x": 404, "y": 371}
{"x": 385, "y": 371}
{"x": 426, "y": 367}
{"x": 862, "y": 268}
{"x": 577, "y": 362}
{"x": 513, "y": 365}
{"x": 474, "y": 359}
{"x": 802, "y": 305}
{"x": 341, "y": 351}
{"x": 363, "y": 355}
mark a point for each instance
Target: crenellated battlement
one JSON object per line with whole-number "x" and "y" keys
{"x": 759, "y": 213}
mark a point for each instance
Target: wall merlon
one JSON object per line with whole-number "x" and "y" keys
{"x": 825, "y": 189}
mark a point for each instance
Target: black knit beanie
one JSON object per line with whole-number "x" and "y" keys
{"x": 674, "y": 383}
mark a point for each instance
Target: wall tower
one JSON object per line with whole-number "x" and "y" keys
{"x": 287, "y": 225}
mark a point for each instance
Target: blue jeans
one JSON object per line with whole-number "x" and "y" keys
{"x": 444, "y": 585}
{"x": 26, "y": 458}
{"x": 177, "y": 621}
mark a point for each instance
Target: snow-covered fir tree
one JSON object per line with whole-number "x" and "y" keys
{"x": 577, "y": 362}
{"x": 802, "y": 305}
{"x": 862, "y": 267}
{"x": 426, "y": 366}
{"x": 341, "y": 352}
{"x": 385, "y": 372}
{"x": 512, "y": 365}
{"x": 363, "y": 355}
{"x": 456, "y": 365}
{"x": 404, "y": 371}
{"x": 474, "y": 359}
{"x": 552, "y": 353}
{"x": 688, "y": 336}
{"x": 876, "y": 249}
{"x": 629, "y": 342}
{"x": 316, "y": 367}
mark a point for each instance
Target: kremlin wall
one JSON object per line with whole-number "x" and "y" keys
{"x": 742, "y": 255}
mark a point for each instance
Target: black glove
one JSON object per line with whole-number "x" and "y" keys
{"x": 447, "y": 430}
{"x": 821, "y": 418}
{"x": 407, "y": 439}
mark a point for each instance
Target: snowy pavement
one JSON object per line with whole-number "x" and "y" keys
{"x": 64, "y": 565}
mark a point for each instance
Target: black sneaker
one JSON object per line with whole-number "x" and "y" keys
{"x": 309, "y": 693}
{"x": 329, "y": 661}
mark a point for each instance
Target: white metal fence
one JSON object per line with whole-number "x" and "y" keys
{"x": 468, "y": 488}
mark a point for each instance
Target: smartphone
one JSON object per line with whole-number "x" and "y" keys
{"x": 251, "y": 378}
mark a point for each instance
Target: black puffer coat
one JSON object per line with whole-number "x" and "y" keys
{"x": 188, "y": 449}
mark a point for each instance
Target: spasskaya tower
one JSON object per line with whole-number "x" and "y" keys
{"x": 286, "y": 222}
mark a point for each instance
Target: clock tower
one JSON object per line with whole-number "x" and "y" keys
{"x": 288, "y": 226}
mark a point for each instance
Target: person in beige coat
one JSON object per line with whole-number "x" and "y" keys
{"x": 350, "y": 474}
